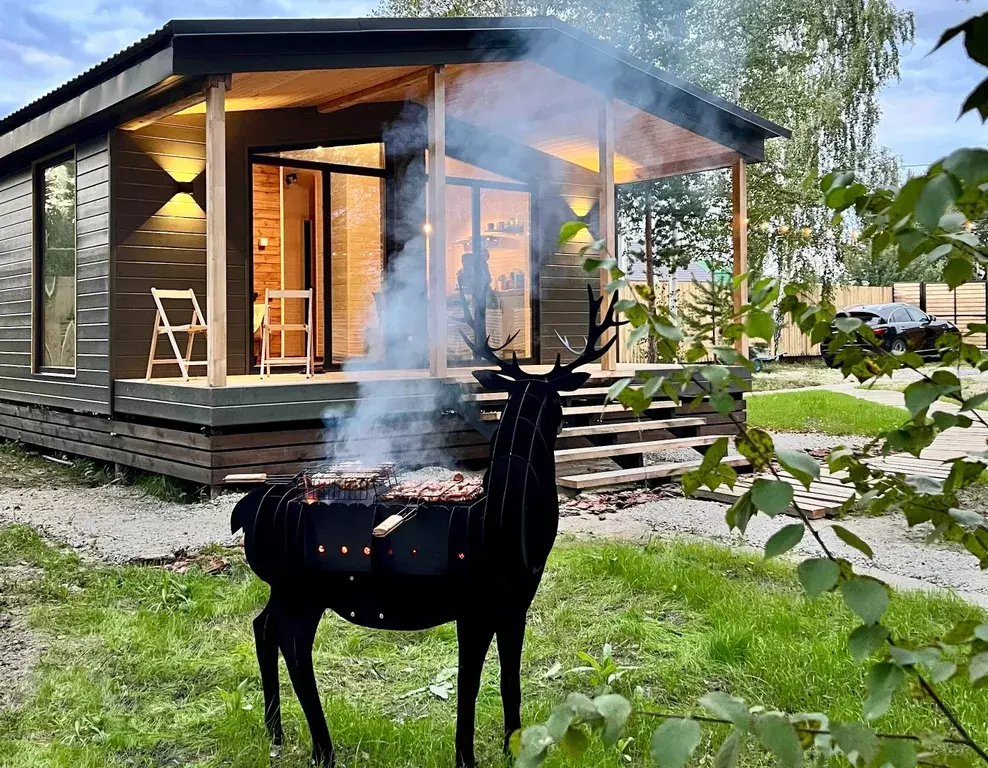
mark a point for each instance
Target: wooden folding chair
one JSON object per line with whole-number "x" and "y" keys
{"x": 162, "y": 325}
{"x": 267, "y": 327}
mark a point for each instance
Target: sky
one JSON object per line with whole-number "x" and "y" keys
{"x": 919, "y": 113}
{"x": 44, "y": 44}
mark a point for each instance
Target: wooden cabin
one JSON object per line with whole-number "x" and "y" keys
{"x": 388, "y": 170}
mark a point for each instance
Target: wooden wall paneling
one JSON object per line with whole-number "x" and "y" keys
{"x": 89, "y": 389}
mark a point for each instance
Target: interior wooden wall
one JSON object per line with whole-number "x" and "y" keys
{"x": 266, "y": 180}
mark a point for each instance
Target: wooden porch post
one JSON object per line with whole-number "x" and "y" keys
{"x": 606, "y": 213}
{"x": 739, "y": 227}
{"x": 216, "y": 231}
{"x": 436, "y": 225}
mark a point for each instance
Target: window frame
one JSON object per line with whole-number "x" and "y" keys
{"x": 38, "y": 169}
{"x": 896, "y": 314}
{"x": 476, "y": 187}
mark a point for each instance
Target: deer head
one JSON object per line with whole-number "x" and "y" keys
{"x": 510, "y": 377}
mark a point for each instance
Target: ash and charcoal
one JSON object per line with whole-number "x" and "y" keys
{"x": 610, "y": 502}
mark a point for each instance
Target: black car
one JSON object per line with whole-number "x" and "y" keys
{"x": 900, "y": 328}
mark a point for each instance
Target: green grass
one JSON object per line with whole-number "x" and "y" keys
{"x": 23, "y": 468}
{"x": 144, "y": 672}
{"x": 793, "y": 375}
{"x": 819, "y": 410}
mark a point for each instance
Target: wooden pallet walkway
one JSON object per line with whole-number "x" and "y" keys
{"x": 825, "y": 496}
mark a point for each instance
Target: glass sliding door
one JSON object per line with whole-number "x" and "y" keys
{"x": 318, "y": 223}
{"x": 356, "y": 266}
{"x": 489, "y": 262}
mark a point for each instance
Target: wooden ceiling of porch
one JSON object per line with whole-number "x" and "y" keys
{"x": 520, "y": 100}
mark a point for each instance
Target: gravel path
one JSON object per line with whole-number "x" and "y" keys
{"x": 901, "y": 558}
{"x": 116, "y": 523}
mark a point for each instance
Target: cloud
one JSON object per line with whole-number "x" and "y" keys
{"x": 919, "y": 113}
{"x": 43, "y": 45}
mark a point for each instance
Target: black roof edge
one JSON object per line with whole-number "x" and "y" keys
{"x": 164, "y": 36}
{"x": 143, "y": 48}
{"x": 767, "y": 126}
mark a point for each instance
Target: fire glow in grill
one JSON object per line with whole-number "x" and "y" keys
{"x": 413, "y": 555}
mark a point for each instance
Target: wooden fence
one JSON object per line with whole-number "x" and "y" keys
{"x": 792, "y": 342}
{"x": 966, "y": 305}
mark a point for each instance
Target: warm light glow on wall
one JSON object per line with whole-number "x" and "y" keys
{"x": 587, "y": 155}
{"x": 580, "y": 206}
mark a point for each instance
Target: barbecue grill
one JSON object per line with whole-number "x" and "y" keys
{"x": 354, "y": 518}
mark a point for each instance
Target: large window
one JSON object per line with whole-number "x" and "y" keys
{"x": 488, "y": 261}
{"x": 55, "y": 265}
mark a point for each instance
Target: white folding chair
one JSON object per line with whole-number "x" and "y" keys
{"x": 162, "y": 325}
{"x": 268, "y": 327}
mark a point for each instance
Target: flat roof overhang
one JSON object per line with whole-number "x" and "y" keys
{"x": 173, "y": 63}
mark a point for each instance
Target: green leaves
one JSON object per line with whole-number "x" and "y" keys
{"x": 852, "y": 540}
{"x": 726, "y": 707}
{"x": 759, "y": 324}
{"x": 569, "y": 230}
{"x": 866, "y": 596}
{"x": 771, "y": 496}
{"x": 800, "y": 465}
{"x": 939, "y": 192}
{"x": 866, "y": 639}
{"x": 857, "y": 741}
{"x": 777, "y": 735}
{"x": 921, "y": 394}
{"x": 756, "y": 446}
{"x": 884, "y": 679}
{"x": 783, "y": 540}
{"x": 817, "y": 575}
{"x": 674, "y": 742}
{"x": 615, "y": 709}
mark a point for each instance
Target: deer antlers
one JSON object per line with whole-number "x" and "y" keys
{"x": 595, "y": 332}
{"x": 590, "y": 352}
{"x": 485, "y": 351}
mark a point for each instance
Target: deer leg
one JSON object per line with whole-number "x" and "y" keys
{"x": 296, "y": 634}
{"x": 266, "y": 642}
{"x": 510, "y": 638}
{"x": 473, "y": 639}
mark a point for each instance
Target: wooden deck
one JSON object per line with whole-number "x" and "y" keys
{"x": 826, "y": 496}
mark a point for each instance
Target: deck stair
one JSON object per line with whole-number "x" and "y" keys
{"x": 602, "y": 445}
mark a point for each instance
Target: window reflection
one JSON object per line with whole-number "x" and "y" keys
{"x": 488, "y": 261}
{"x": 57, "y": 268}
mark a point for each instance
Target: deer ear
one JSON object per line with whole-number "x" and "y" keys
{"x": 494, "y": 380}
{"x": 571, "y": 381}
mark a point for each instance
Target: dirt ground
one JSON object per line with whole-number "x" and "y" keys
{"x": 20, "y": 648}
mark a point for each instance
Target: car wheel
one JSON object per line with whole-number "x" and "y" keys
{"x": 898, "y": 346}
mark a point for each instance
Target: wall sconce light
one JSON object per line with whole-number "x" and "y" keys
{"x": 183, "y": 188}
{"x": 262, "y": 243}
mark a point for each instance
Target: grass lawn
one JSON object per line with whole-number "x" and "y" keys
{"x": 145, "y": 672}
{"x": 819, "y": 410}
{"x": 792, "y": 375}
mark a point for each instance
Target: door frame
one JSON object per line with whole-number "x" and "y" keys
{"x": 476, "y": 187}
{"x": 267, "y": 156}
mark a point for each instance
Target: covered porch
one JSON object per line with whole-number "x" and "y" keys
{"x": 393, "y": 194}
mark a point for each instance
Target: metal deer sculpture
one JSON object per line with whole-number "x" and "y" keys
{"x": 489, "y": 555}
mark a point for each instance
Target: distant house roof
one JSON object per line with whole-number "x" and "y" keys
{"x": 178, "y": 57}
{"x": 695, "y": 272}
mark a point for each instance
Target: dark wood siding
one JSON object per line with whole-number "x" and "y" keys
{"x": 562, "y": 281}
{"x": 161, "y": 241}
{"x": 89, "y": 389}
